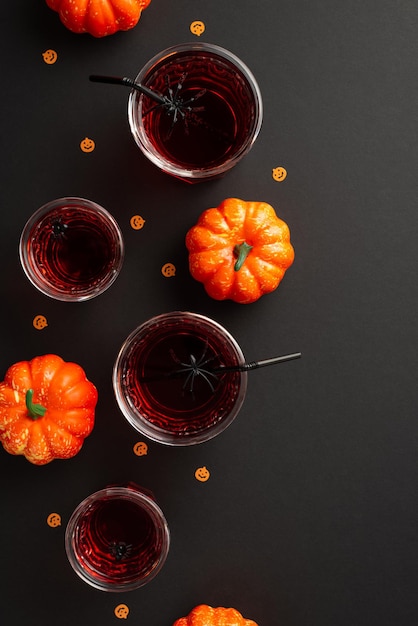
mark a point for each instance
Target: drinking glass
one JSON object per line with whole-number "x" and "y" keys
{"x": 71, "y": 249}
{"x": 175, "y": 378}
{"x": 117, "y": 539}
{"x": 215, "y": 114}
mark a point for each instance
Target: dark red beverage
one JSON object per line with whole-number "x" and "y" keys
{"x": 71, "y": 249}
{"x": 215, "y": 117}
{"x": 169, "y": 382}
{"x": 117, "y": 539}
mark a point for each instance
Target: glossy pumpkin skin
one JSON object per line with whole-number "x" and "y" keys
{"x": 98, "y": 17}
{"x": 60, "y": 413}
{"x": 238, "y": 227}
{"x": 204, "y": 615}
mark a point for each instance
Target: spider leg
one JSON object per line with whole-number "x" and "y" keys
{"x": 175, "y": 358}
{"x": 201, "y": 363}
{"x": 179, "y": 85}
{"x": 190, "y": 378}
{"x": 207, "y": 379}
{"x": 170, "y": 131}
{"x": 184, "y": 369}
{"x": 193, "y": 376}
{"x": 195, "y": 97}
{"x": 208, "y": 373}
{"x": 202, "y": 356}
{"x": 156, "y": 106}
{"x": 186, "y": 124}
{"x": 167, "y": 84}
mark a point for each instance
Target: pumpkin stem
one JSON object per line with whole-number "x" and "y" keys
{"x": 34, "y": 410}
{"x": 241, "y": 251}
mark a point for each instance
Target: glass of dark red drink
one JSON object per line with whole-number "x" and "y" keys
{"x": 71, "y": 249}
{"x": 117, "y": 539}
{"x": 215, "y": 117}
{"x": 175, "y": 378}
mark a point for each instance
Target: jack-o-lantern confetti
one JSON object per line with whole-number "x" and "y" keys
{"x": 137, "y": 222}
{"x": 54, "y": 520}
{"x": 39, "y": 322}
{"x": 279, "y": 174}
{"x": 140, "y": 448}
{"x": 50, "y": 56}
{"x": 202, "y": 474}
{"x": 168, "y": 270}
{"x": 87, "y": 145}
{"x": 197, "y": 28}
{"x": 121, "y": 611}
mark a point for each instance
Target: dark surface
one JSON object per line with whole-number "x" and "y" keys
{"x": 310, "y": 515}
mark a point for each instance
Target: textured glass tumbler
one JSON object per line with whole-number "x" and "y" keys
{"x": 117, "y": 539}
{"x": 175, "y": 378}
{"x": 71, "y": 249}
{"x": 213, "y": 117}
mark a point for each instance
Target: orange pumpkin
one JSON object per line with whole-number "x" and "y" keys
{"x": 46, "y": 409}
{"x": 239, "y": 250}
{"x": 204, "y": 615}
{"x": 98, "y": 17}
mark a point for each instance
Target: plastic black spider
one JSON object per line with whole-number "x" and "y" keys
{"x": 194, "y": 369}
{"x": 120, "y": 550}
{"x": 58, "y": 228}
{"x": 174, "y": 104}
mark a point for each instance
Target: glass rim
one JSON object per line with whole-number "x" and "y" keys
{"x": 36, "y": 277}
{"x": 133, "y": 495}
{"x": 140, "y": 423}
{"x": 141, "y": 139}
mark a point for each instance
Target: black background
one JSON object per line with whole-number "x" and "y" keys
{"x": 309, "y": 517}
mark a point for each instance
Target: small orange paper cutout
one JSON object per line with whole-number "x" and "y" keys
{"x": 49, "y": 56}
{"x": 168, "y": 270}
{"x": 53, "y": 520}
{"x": 197, "y": 28}
{"x": 122, "y": 611}
{"x": 202, "y": 474}
{"x": 137, "y": 222}
{"x": 140, "y": 448}
{"x": 40, "y": 322}
{"x": 279, "y": 174}
{"x": 87, "y": 145}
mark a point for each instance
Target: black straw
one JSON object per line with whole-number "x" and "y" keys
{"x": 128, "y": 82}
{"x": 245, "y": 367}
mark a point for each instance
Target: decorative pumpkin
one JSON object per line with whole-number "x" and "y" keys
{"x": 46, "y": 409}
{"x": 98, "y": 17}
{"x": 239, "y": 250}
{"x": 204, "y": 615}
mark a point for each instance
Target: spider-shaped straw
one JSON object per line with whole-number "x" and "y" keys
{"x": 199, "y": 367}
{"x": 172, "y": 101}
